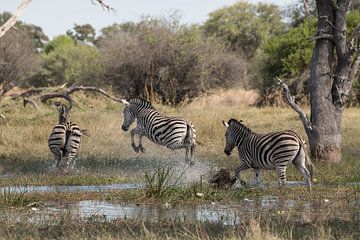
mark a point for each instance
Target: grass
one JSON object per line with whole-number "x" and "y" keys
{"x": 24, "y": 151}
{"x": 106, "y": 157}
{"x": 253, "y": 228}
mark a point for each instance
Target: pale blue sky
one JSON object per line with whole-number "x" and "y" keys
{"x": 57, "y": 16}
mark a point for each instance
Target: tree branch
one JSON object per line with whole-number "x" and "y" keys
{"x": 12, "y": 21}
{"x": 94, "y": 89}
{"x": 104, "y": 5}
{"x": 291, "y": 101}
{"x": 306, "y": 8}
{"x": 27, "y": 101}
{"x": 64, "y": 94}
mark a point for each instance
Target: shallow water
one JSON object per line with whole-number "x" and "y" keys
{"x": 128, "y": 186}
{"x": 227, "y": 214}
{"x": 85, "y": 188}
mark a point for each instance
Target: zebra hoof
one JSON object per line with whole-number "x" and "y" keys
{"x": 142, "y": 149}
{"x": 136, "y": 149}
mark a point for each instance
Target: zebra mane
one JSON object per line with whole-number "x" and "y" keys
{"x": 140, "y": 101}
{"x": 238, "y": 123}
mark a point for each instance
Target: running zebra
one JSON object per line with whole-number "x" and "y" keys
{"x": 172, "y": 132}
{"x": 268, "y": 151}
{"x": 64, "y": 140}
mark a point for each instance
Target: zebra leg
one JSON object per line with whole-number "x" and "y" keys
{"x": 188, "y": 155}
{"x": 281, "y": 173}
{"x": 192, "y": 149}
{"x": 299, "y": 163}
{"x": 70, "y": 164}
{"x": 57, "y": 158}
{"x": 132, "y": 133}
{"x": 242, "y": 167}
{"x": 142, "y": 149}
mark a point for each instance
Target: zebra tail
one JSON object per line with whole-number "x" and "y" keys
{"x": 189, "y": 138}
{"x": 308, "y": 163}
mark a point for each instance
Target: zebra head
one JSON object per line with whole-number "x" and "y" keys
{"x": 129, "y": 117}
{"x": 235, "y": 131}
{"x": 64, "y": 115}
{"x": 132, "y": 107}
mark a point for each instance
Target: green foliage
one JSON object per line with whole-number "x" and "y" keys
{"x": 8, "y": 197}
{"x": 289, "y": 54}
{"x": 65, "y": 61}
{"x": 161, "y": 182}
{"x": 244, "y": 27}
{"x": 84, "y": 33}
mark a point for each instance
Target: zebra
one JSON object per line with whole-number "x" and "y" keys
{"x": 64, "y": 140}
{"x": 268, "y": 151}
{"x": 172, "y": 132}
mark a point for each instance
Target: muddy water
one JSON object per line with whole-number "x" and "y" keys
{"x": 227, "y": 214}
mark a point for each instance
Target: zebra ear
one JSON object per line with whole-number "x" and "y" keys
{"x": 125, "y": 102}
{"x": 225, "y": 124}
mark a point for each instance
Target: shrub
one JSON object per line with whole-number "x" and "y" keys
{"x": 162, "y": 59}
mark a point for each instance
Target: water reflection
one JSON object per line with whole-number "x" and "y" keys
{"x": 86, "y": 188}
{"x": 227, "y": 214}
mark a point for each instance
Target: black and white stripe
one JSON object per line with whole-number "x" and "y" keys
{"x": 64, "y": 140}
{"x": 272, "y": 151}
{"x": 172, "y": 132}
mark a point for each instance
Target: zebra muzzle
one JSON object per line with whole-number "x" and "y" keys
{"x": 228, "y": 153}
{"x": 124, "y": 128}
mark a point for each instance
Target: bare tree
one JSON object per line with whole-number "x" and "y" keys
{"x": 19, "y": 10}
{"x": 335, "y": 62}
{"x": 12, "y": 21}
{"x": 18, "y": 60}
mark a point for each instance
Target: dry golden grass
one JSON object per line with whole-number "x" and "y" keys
{"x": 23, "y": 135}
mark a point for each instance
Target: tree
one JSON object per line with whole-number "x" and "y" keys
{"x": 244, "y": 27}
{"x": 84, "y": 33}
{"x": 335, "y": 62}
{"x": 65, "y": 61}
{"x": 18, "y": 60}
{"x": 164, "y": 60}
{"x": 12, "y": 21}
{"x": 34, "y": 32}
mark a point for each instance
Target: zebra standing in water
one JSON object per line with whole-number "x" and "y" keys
{"x": 268, "y": 151}
{"x": 172, "y": 132}
{"x": 64, "y": 140}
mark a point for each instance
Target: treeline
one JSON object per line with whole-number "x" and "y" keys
{"x": 161, "y": 59}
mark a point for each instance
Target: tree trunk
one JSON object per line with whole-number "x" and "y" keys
{"x": 329, "y": 82}
{"x": 331, "y": 79}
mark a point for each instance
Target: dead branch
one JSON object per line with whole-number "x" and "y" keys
{"x": 30, "y": 92}
{"x": 104, "y": 5}
{"x": 291, "y": 101}
{"x": 306, "y": 8}
{"x": 93, "y": 89}
{"x": 27, "y": 101}
{"x": 12, "y": 21}
{"x": 2, "y": 116}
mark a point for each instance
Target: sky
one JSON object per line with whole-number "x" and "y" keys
{"x": 57, "y": 16}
